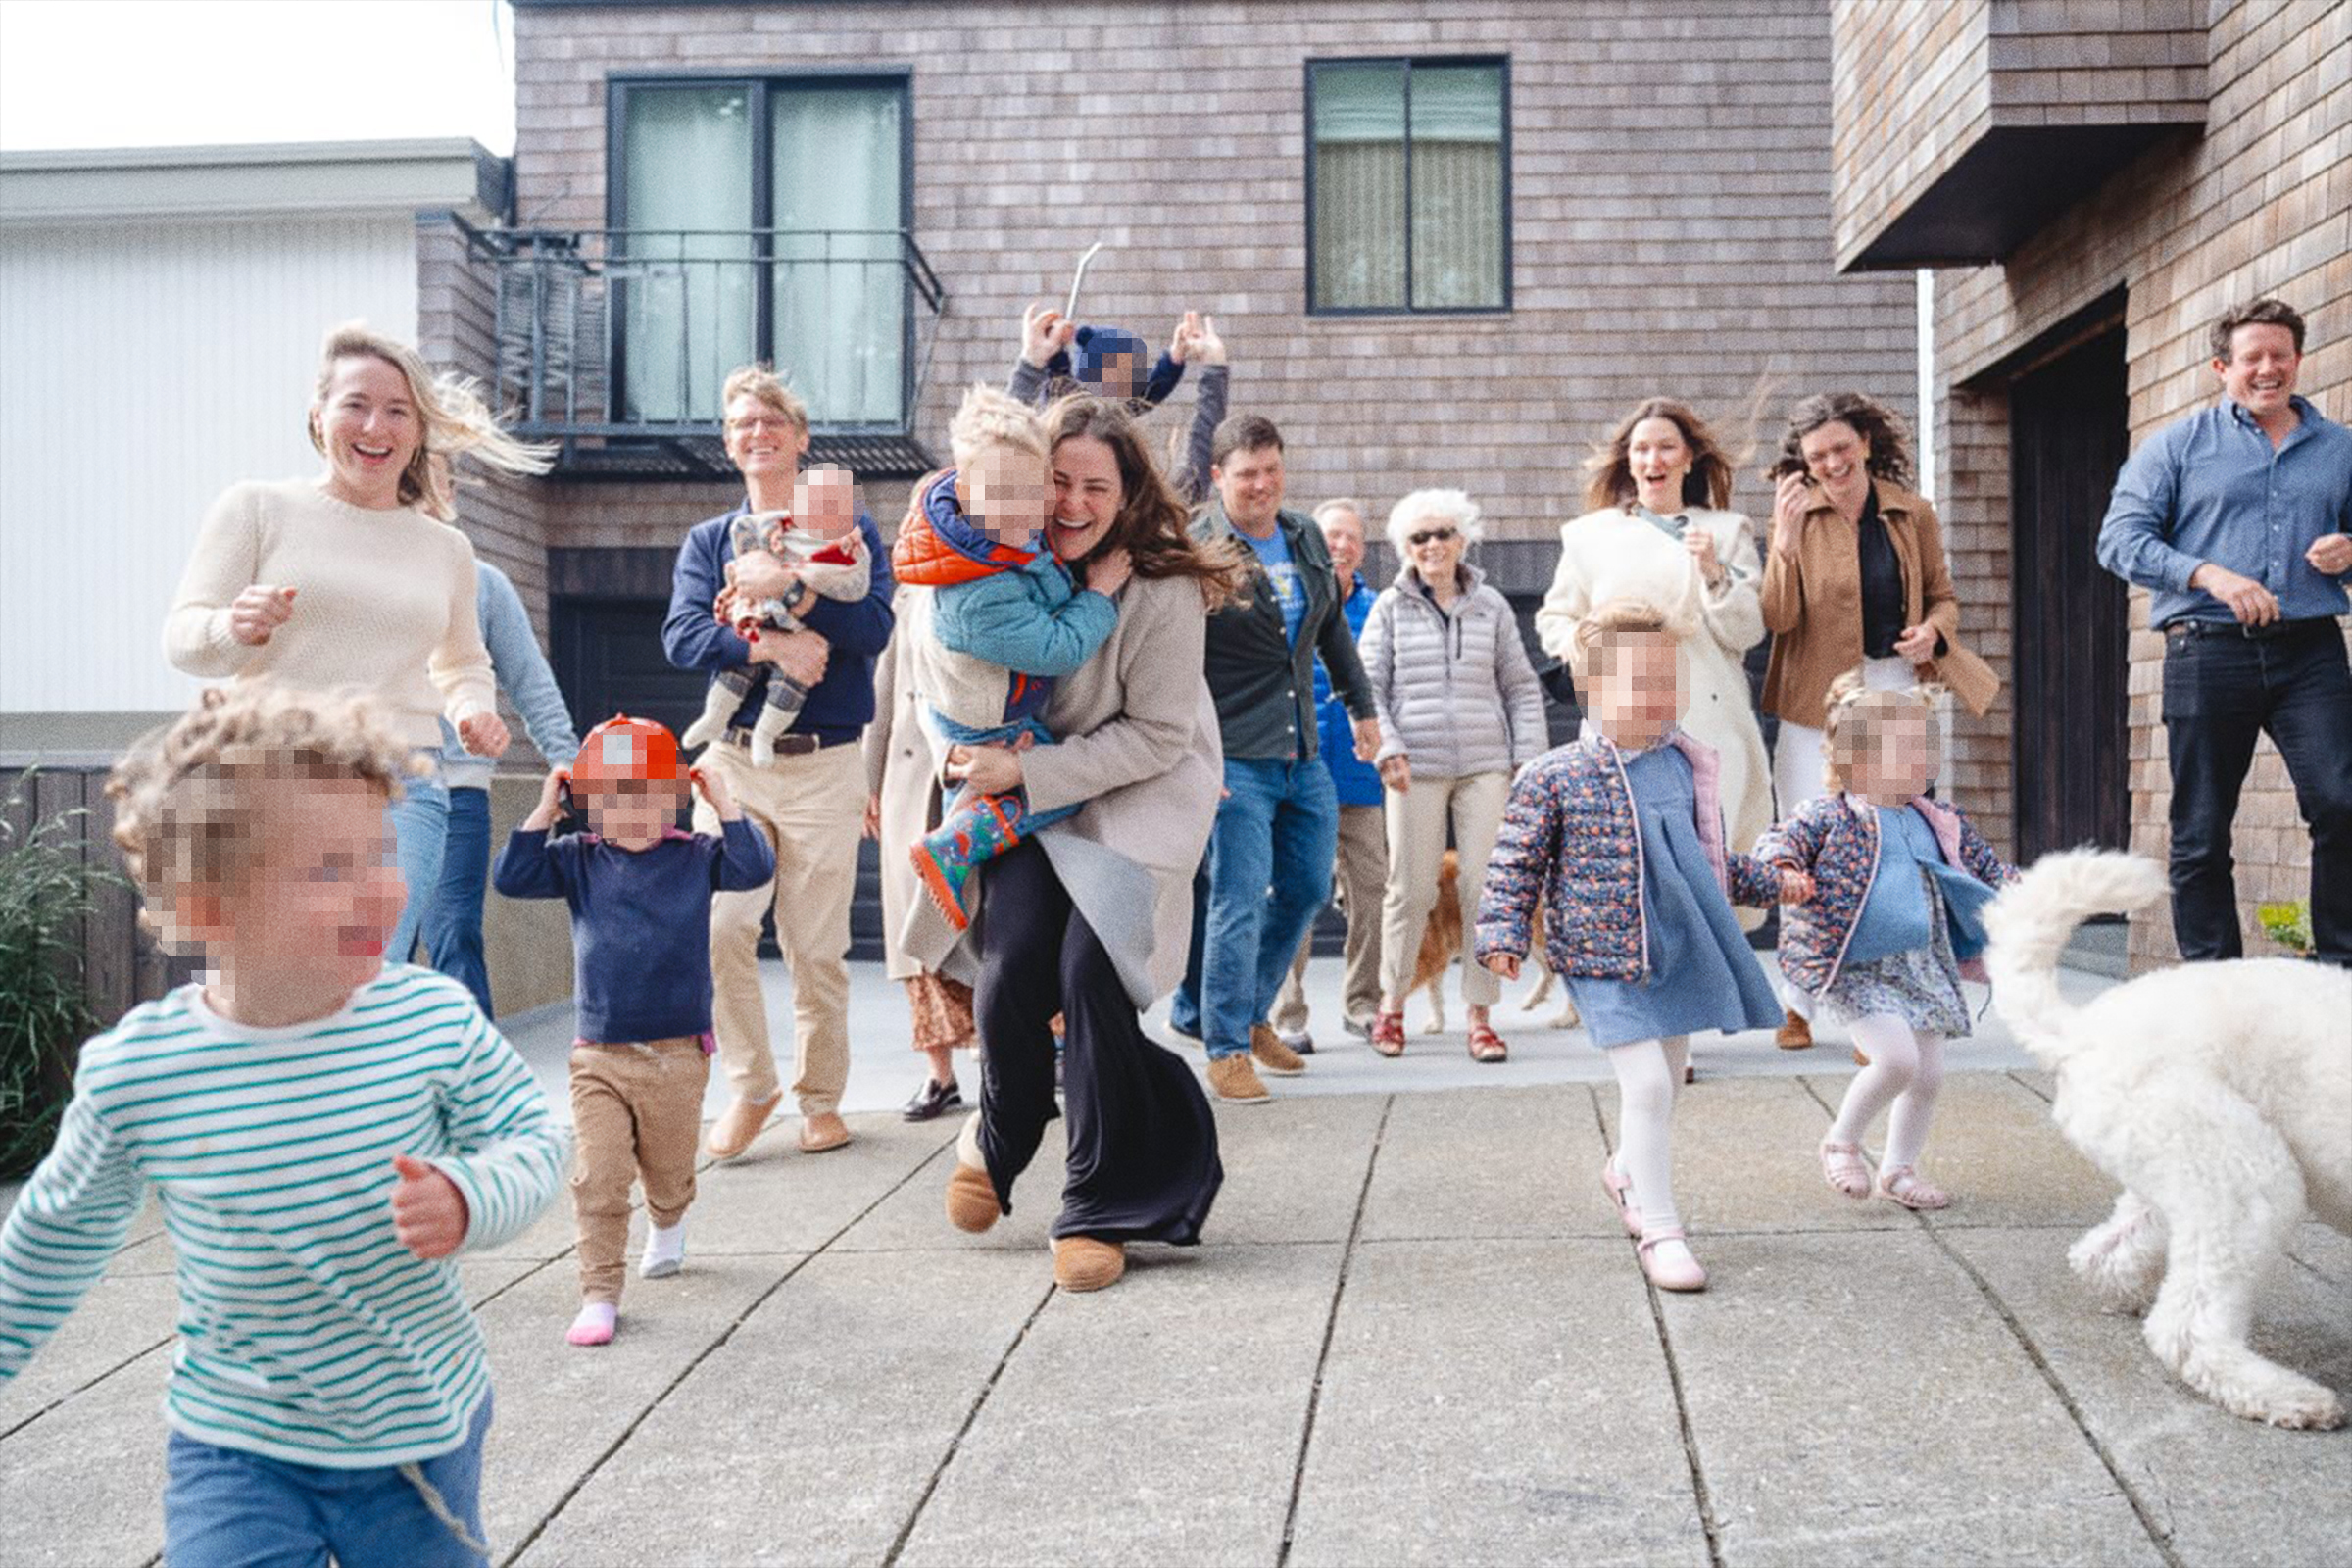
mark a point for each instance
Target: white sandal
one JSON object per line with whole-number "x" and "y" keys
{"x": 1845, "y": 1169}
{"x": 1902, "y": 1185}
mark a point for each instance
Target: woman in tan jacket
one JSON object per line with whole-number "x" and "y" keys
{"x": 1092, "y": 916}
{"x": 1855, "y": 576}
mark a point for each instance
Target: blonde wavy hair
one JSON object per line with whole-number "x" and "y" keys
{"x": 188, "y": 797}
{"x": 764, "y": 384}
{"x": 990, "y": 416}
{"x": 454, "y": 418}
{"x": 1612, "y": 626}
{"x": 1858, "y": 715}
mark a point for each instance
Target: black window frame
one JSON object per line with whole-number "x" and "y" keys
{"x": 1409, "y": 62}
{"x": 759, "y": 86}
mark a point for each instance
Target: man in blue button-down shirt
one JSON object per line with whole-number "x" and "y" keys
{"x": 2240, "y": 519}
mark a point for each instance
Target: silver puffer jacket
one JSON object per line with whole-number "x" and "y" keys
{"x": 1454, "y": 688}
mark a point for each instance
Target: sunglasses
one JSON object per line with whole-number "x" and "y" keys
{"x": 1430, "y": 536}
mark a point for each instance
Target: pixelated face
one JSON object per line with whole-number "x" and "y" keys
{"x": 1119, "y": 375}
{"x": 763, "y": 440}
{"x": 1344, "y": 536}
{"x": 1087, "y": 495}
{"x": 1636, "y": 687}
{"x": 371, "y": 428}
{"x": 824, "y": 501}
{"x": 1003, "y": 490}
{"x": 631, "y": 813}
{"x": 1251, "y": 484}
{"x": 1896, "y": 760}
{"x": 323, "y": 890}
{"x": 1434, "y": 548}
{"x": 2260, "y": 371}
{"x": 1836, "y": 454}
{"x": 1658, "y": 456}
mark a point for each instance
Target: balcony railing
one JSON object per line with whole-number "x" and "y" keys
{"x": 614, "y": 343}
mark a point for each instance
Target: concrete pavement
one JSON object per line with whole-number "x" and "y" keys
{"x": 1414, "y": 1333}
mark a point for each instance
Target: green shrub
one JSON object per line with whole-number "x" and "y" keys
{"x": 45, "y": 890}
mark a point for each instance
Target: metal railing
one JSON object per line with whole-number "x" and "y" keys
{"x": 613, "y": 332}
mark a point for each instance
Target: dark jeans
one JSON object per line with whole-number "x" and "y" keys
{"x": 2221, "y": 694}
{"x": 452, "y": 928}
{"x": 1143, "y": 1142}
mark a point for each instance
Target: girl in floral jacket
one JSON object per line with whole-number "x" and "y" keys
{"x": 1621, "y": 838}
{"x": 1900, "y": 882}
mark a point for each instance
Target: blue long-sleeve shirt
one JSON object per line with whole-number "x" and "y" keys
{"x": 522, "y": 674}
{"x": 839, "y": 705}
{"x": 2212, "y": 488}
{"x": 1356, "y": 783}
{"x": 640, "y": 921}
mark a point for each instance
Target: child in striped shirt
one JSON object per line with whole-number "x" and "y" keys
{"x": 321, "y": 1131}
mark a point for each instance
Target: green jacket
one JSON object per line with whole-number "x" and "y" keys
{"x": 1264, "y": 686}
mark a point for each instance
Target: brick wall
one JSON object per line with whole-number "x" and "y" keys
{"x": 2261, "y": 205}
{"x": 1670, "y": 214}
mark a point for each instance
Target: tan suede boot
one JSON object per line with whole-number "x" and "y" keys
{"x": 1272, "y": 1054}
{"x": 1796, "y": 1033}
{"x": 1082, "y": 1264}
{"x": 738, "y": 1124}
{"x": 1235, "y": 1081}
{"x": 971, "y": 1199}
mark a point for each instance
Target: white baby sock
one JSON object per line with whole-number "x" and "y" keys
{"x": 665, "y": 1252}
{"x": 594, "y": 1324}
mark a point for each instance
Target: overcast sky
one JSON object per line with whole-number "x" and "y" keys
{"x": 165, "y": 73}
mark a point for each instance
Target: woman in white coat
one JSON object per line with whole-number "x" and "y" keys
{"x": 1659, "y": 532}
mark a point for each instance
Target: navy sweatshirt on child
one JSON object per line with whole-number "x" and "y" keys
{"x": 640, "y": 921}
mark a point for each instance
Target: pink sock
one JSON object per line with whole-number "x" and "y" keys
{"x": 594, "y": 1324}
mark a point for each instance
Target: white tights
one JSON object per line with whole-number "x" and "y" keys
{"x": 1905, "y": 1070}
{"x": 1649, "y": 1074}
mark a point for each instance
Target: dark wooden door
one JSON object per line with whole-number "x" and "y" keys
{"x": 2068, "y": 431}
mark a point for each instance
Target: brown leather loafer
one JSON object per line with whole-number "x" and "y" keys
{"x": 1082, "y": 1264}
{"x": 821, "y": 1131}
{"x": 738, "y": 1124}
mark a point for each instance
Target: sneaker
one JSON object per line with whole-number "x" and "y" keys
{"x": 1272, "y": 1054}
{"x": 932, "y": 1099}
{"x": 1298, "y": 1040}
{"x": 1235, "y": 1081}
{"x": 1192, "y": 1034}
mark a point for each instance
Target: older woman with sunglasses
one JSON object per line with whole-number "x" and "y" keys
{"x": 1460, "y": 709}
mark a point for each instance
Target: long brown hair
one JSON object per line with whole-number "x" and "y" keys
{"x": 1152, "y": 526}
{"x": 1708, "y": 484}
{"x": 1888, "y": 438}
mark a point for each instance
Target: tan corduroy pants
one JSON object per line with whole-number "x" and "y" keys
{"x": 810, "y": 808}
{"x": 636, "y": 1116}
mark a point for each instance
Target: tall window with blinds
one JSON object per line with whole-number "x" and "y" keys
{"x": 1408, "y": 185}
{"x": 760, "y": 219}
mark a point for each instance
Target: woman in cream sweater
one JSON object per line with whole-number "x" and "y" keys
{"x": 1658, "y": 532}
{"x": 355, "y": 578}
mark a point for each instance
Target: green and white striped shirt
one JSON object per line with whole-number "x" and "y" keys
{"x": 306, "y": 1332}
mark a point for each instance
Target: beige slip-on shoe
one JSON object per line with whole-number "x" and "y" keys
{"x": 738, "y": 1124}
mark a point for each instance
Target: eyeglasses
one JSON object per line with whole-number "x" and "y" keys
{"x": 1430, "y": 536}
{"x": 763, "y": 422}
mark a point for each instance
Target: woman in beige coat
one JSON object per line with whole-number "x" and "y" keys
{"x": 1092, "y": 916}
{"x": 902, "y": 804}
{"x": 1658, "y": 532}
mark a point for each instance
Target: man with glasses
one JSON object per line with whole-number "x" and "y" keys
{"x": 807, "y": 801}
{"x": 1270, "y": 857}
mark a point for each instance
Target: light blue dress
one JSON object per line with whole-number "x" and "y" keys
{"x": 1921, "y": 920}
{"x": 1702, "y": 973}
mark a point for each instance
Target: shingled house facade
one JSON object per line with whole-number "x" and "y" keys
{"x": 2096, "y": 181}
{"x": 1446, "y": 245}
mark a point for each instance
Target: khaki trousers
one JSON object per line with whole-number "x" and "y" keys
{"x": 810, "y": 808}
{"x": 1417, "y": 819}
{"x": 1359, "y": 880}
{"x": 636, "y": 1115}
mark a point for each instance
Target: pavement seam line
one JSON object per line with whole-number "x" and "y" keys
{"x": 629, "y": 1431}
{"x": 2158, "y": 1537}
{"x": 972, "y": 1417}
{"x": 1700, "y": 1494}
{"x": 81, "y": 1388}
{"x": 1331, "y": 1323}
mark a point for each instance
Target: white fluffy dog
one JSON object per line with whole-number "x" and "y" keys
{"x": 2220, "y": 1096}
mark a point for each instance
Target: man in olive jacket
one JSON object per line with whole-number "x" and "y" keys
{"x": 1277, "y": 824}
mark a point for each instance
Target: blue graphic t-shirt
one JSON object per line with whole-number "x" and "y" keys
{"x": 1274, "y": 555}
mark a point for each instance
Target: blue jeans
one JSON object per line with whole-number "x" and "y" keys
{"x": 1268, "y": 874}
{"x": 452, "y": 928}
{"x": 419, "y": 821}
{"x": 228, "y": 1508}
{"x": 2221, "y": 694}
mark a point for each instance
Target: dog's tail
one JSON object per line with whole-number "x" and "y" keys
{"x": 2030, "y": 922}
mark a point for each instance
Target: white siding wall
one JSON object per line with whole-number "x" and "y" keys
{"x": 143, "y": 368}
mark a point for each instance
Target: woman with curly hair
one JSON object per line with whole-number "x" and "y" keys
{"x": 1855, "y": 576}
{"x": 1092, "y": 916}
